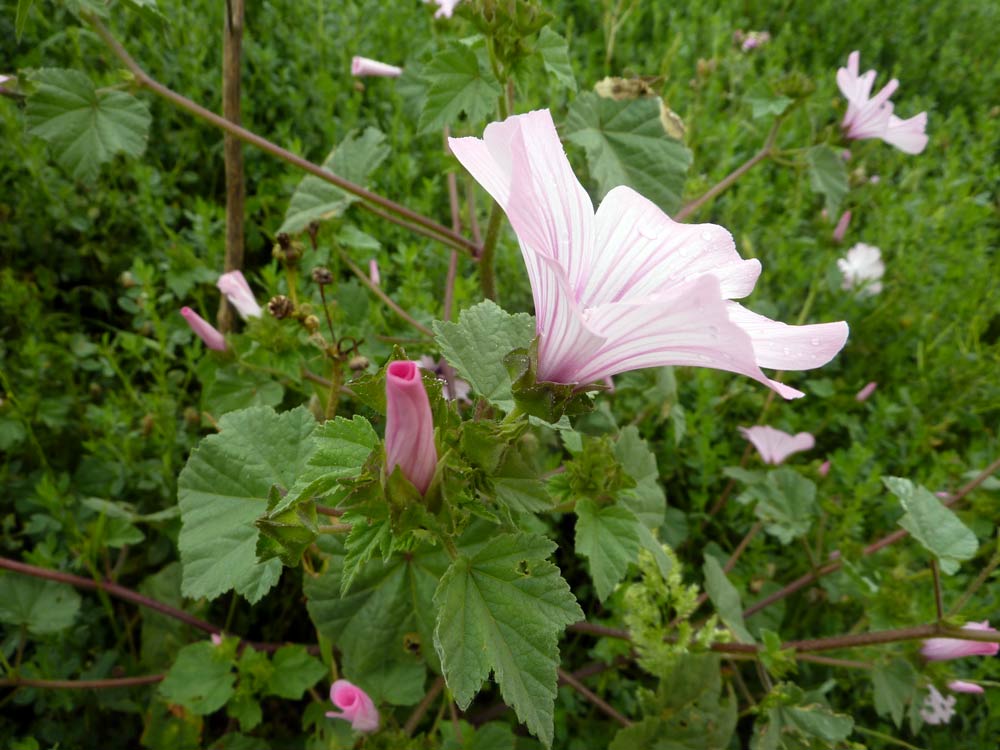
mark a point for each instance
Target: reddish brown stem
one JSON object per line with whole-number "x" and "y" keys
{"x": 591, "y": 696}
{"x": 118, "y": 682}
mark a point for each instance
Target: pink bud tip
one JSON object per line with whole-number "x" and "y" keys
{"x": 865, "y": 393}
{"x": 409, "y": 425}
{"x": 841, "y": 229}
{"x": 365, "y": 66}
{"x": 355, "y": 706}
{"x": 236, "y": 289}
{"x": 216, "y": 639}
{"x": 205, "y": 330}
{"x": 939, "y": 649}
{"x": 824, "y": 468}
{"x": 961, "y": 686}
{"x": 373, "y": 273}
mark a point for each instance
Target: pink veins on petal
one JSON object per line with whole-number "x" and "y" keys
{"x": 626, "y": 287}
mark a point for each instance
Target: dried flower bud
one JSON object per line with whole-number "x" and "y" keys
{"x": 311, "y": 322}
{"x": 127, "y": 280}
{"x": 192, "y": 418}
{"x": 284, "y": 241}
{"x": 148, "y": 423}
{"x": 280, "y": 306}
{"x": 322, "y": 275}
{"x": 358, "y": 363}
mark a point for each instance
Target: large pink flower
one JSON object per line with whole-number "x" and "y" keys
{"x": 234, "y": 285}
{"x": 939, "y": 649}
{"x": 627, "y": 287}
{"x": 774, "y": 445}
{"x": 409, "y": 425}
{"x": 355, "y": 705}
{"x": 871, "y": 116}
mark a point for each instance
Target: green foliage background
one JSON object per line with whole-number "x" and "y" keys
{"x": 100, "y": 372}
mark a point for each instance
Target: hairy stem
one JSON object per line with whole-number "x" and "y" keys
{"x": 394, "y": 211}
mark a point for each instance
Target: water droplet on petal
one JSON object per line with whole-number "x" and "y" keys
{"x": 814, "y": 342}
{"x": 707, "y": 234}
{"x": 787, "y": 352}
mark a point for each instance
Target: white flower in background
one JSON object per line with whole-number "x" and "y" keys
{"x": 862, "y": 269}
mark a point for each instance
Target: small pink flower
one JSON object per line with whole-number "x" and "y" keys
{"x": 961, "y": 686}
{"x": 937, "y": 708}
{"x": 865, "y": 393}
{"x": 355, "y": 706}
{"x": 445, "y": 7}
{"x": 774, "y": 446}
{"x": 626, "y": 287}
{"x": 755, "y": 39}
{"x": 5, "y": 78}
{"x": 365, "y": 66}
{"x": 939, "y": 649}
{"x": 872, "y": 117}
{"x": 409, "y": 426}
{"x": 238, "y": 292}
{"x": 874, "y": 179}
{"x": 373, "y": 274}
{"x": 216, "y": 639}
{"x": 205, "y": 330}
{"x": 862, "y": 269}
{"x": 824, "y": 468}
{"x": 841, "y": 229}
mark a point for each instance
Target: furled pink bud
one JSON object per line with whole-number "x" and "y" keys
{"x": 939, "y": 649}
{"x": 205, "y": 330}
{"x": 239, "y": 294}
{"x": 355, "y": 706}
{"x": 365, "y": 66}
{"x": 841, "y": 229}
{"x": 865, "y": 393}
{"x": 373, "y": 273}
{"x": 961, "y": 686}
{"x": 824, "y": 468}
{"x": 409, "y": 426}
{"x": 774, "y": 446}
{"x": 216, "y": 639}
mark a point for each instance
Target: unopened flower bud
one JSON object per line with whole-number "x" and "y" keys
{"x": 311, "y": 323}
{"x": 358, "y": 363}
{"x": 127, "y": 280}
{"x": 191, "y": 417}
{"x": 280, "y": 306}
{"x": 322, "y": 275}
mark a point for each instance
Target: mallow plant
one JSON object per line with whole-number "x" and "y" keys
{"x": 446, "y": 546}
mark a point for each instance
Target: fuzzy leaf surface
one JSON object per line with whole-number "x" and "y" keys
{"x": 609, "y": 538}
{"x": 458, "y": 80}
{"x": 40, "y": 606}
{"x": 933, "y": 524}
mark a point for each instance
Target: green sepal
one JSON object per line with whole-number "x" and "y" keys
{"x": 287, "y": 533}
{"x": 542, "y": 399}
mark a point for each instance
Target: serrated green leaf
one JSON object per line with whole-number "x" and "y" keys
{"x": 827, "y": 176}
{"x": 518, "y": 486}
{"x": 23, "y": 6}
{"x": 726, "y": 599}
{"x": 764, "y": 103}
{"x": 820, "y": 722}
{"x": 786, "y": 503}
{"x": 490, "y": 736}
{"x": 932, "y": 524}
{"x": 626, "y": 145}
{"x": 384, "y": 625}
{"x": 476, "y": 345}
{"x": 341, "y": 448}
{"x": 235, "y": 387}
{"x": 84, "y": 127}
{"x": 502, "y": 609}
{"x": 354, "y": 159}
{"x": 295, "y": 671}
{"x": 148, "y": 11}
{"x": 40, "y": 606}
{"x": 895, "y": 687}
{"x": 554, "y": 51}
{"x": 609, "y": 538}
{"x": 647, "y": 499}
{"x": 201, "y": 678}
{"x": 224, "y": 488}
{"x": 458, "y": 80}
{"x": 365, "y": 539}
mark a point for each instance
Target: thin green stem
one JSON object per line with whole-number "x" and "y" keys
{"x": 938, "y": 599}
{"x": 395, "y": 212}
{"x": 984, "y": 574}
{"x": 885, "y": 737}
{"x": 487, "y": 279}
{"x": 378, "y": 292}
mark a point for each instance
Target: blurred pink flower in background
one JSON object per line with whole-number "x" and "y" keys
{"x": 238, "y": 292}
{"x": 872, "y": 117}
{"x": 216, "y": 639}
{"x": 409, "y": 426}
{"x": 774, "y": 445}
{"x": 937, "y": 708}
{"x": 865, "y": 393}
{"x": 355, "y": 706}
{"x": 824, "y": 468}
{"x": 205, "y": 330}
{"x": 939, "y": 649}
{"x": 436, "y": 367}
{"x": 373, "y": 274}
{"x": 862, "y": 268}
{"x": 445, "y": 7}
{"x": 627, "y": 287}
{"x": 841, "y": 229}
{"x": 961, "y": 686}
{"x": 365, "y": 66}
